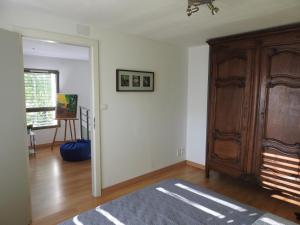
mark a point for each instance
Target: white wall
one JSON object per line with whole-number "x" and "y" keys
{"x": 197, "y": 103}
{"x": 140, "y": 132}
{"x": 74, "y": 78}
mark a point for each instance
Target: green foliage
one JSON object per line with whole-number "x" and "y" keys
{"x": 39, "y": 90}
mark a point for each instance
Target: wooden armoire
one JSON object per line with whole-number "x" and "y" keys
{"x": 254, "y": 107}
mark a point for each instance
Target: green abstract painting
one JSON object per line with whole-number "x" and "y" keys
{"x": 66, "y": 106}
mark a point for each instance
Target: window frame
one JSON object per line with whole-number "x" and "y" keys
{"x": 43, "y": 109}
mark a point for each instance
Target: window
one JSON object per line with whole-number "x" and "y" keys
{"x": 41, "y": 87}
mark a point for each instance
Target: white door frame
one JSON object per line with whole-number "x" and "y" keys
{"x": 94, "y": 58}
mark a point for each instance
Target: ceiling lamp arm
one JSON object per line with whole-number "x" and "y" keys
{"x": 193, "y": 6}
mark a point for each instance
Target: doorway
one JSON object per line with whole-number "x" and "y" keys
{"x": 93, "y": 168}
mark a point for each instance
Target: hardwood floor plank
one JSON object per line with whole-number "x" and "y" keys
{"x": 61, "y": 189}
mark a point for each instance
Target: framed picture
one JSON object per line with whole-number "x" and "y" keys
{"x": 132, "y": 80}
{"x": 66, "y": 106}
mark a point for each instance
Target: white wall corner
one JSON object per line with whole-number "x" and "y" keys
{"x": 197, "y": 93}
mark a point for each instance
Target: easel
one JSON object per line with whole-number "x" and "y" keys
{"x": 66, "y": 120}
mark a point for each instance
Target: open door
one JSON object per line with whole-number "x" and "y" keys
{"x": 14, "y": 187}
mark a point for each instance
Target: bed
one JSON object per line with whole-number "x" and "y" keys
{"x": 174, "y": 202}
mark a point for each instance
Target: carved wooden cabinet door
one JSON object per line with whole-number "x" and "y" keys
{"x": 230, "y": 95}
{"x": 278, "y": 130}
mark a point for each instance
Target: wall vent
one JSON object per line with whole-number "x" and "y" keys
{"x": 83, "y": 29}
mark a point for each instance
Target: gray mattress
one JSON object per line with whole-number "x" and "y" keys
{"x": 175, "y": 202}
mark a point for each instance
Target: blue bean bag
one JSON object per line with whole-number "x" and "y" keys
{"x": 76, "y": 150}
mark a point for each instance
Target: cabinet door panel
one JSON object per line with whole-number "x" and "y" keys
{"x": 232, "y": 67}
{"x": 226, "y": 149}
{"x": 282, "y": 109}
{"x": 278, "y": 133}
{"x": 229, "y": 109}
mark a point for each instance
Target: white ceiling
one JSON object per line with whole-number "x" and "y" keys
{"x": 166, "y": 20}
{"x": 55, "y": 50}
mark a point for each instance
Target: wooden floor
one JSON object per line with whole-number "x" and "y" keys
{"x": 61, "y": 190}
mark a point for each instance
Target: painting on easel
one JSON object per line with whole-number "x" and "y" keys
{"x": 66, "y": 106}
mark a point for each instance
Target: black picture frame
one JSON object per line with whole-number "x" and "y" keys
{"x": 134, "y": 81}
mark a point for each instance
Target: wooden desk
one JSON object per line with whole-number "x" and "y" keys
{"x": 66, "y": 121}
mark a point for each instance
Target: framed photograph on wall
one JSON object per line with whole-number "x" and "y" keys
{"x": 133, "y": 80}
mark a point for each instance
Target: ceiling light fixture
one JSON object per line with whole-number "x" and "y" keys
{"x": 193, "y": 6}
